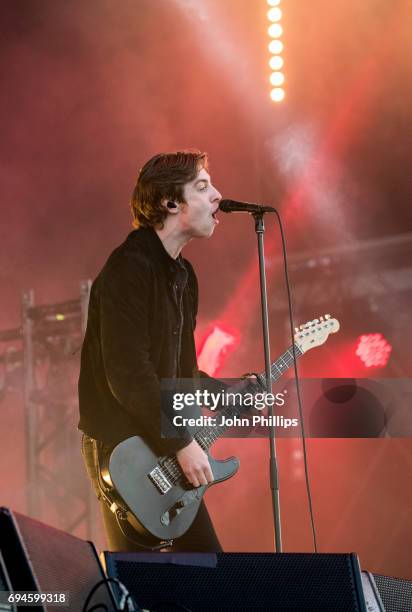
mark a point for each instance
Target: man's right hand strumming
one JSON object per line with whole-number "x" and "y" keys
{"x": 195, "y": 464}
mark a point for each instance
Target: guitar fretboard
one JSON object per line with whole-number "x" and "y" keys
{"x": 283, "y": 363}
{"x": 207, "y": 435}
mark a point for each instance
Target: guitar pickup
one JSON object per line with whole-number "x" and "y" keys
{"x": 159, "y": 480}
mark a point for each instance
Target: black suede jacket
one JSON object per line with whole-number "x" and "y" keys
{"x": 130, "y": 343}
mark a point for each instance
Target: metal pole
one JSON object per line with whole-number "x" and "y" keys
{"x": 273, "y": 469}
{"x": 29, "y": 406}
{"x": 92, "y": 515}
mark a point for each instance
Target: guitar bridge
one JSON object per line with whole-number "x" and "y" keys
{"x": 159, "y": 480}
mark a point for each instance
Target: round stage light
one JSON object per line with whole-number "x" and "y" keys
{"x": 273, "y": 2}
{"x": 277, "y": 78}
{"x": 274, "y": 14}
{"x": 277, "y": 94}
{"x": 275, "y": 30}
{"x": 373, "y": 350}
{"x": 276, "y": 62}
{"x": 275, "y": 46}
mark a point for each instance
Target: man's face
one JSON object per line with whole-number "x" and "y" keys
{"x": 197, "y": 216}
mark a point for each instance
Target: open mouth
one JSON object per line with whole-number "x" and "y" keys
{"x": 214, "y": 213}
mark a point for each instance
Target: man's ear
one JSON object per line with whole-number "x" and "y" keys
{"x": 172, "y": 207}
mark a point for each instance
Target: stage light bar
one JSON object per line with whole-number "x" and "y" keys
{"x": 277, "y": 94}
{"x": 276, "y": 62}
{"x": 275, "y": 31}
{"x": 277, "y": 78}
{"x": 275, "y": 47}
{"x": 373, "y": 350}
{"x": 274, "y": 14}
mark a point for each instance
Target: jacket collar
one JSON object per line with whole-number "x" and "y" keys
{"x": 152, "y": 243}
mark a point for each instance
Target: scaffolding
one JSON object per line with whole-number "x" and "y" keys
{"x": 365, "y": 270}
{"x": 57, "y": 488}
{"x": 363, "y": 282}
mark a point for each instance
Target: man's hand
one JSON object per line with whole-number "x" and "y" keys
{"x": 195, "y": 464}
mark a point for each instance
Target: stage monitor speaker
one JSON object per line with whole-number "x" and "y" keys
{"x": 5, "y": 585}
{"x": 40, "y": 558}
{"x": 396, "y": 593}
{"x": 241, "y": 581}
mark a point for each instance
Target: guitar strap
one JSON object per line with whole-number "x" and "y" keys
{"x": 130, "y": 534}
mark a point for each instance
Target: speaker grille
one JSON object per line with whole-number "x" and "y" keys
{"x": 396, "y": 594}
{"x": 57, "y": 560}
{"x": 306, "y": 582}
{"x": 5, "y": 586}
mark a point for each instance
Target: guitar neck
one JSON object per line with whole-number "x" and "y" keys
{"x": 281, "y": 365}
{"x": 207, "y": 435}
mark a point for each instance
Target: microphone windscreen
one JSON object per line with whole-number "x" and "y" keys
{"x": 225, "y": 205}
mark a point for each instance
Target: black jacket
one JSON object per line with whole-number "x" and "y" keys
{"x": 130, "y": 343}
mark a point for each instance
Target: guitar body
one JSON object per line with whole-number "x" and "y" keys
{"x": 156, "y": 515}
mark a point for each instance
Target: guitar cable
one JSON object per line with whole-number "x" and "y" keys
{"x": 125, "y": 600}
{"x": 122, "y": 516}
{"x": 297, "y": 384}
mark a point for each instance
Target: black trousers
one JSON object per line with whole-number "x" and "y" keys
{"x": 200, "y": 537}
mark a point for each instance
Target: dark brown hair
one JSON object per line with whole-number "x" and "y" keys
{"x": 163, "y": 177}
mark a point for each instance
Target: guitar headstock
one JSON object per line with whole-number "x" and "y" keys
{"x": 316, "y": 332}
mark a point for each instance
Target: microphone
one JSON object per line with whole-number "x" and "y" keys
{"x": 228, "y": 206}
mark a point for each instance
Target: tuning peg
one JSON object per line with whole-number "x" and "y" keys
{"x": 327, "y": 316}
{"x": 296, "y": 330}
{"x": 316, "y": 321}
{"x": 321, "y": 319}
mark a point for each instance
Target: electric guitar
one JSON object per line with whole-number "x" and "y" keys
{"x": 151, "y": 492}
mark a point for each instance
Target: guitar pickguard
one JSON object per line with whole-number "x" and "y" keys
{"x": 187, "y": 499}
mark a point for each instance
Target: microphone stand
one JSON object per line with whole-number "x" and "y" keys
{"x": 273, "y": 468}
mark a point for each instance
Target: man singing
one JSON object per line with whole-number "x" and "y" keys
{"x": 141, "y": 320}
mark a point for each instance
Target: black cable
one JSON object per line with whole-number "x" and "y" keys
{"x": 134, "y": 606}
{"x": 297, "y": 382}
{"x": 118, "y": 514}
